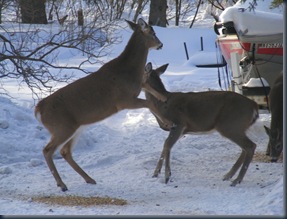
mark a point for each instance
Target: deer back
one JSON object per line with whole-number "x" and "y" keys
{"x": 201, "y": 111}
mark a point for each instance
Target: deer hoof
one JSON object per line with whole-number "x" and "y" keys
{"x": 155, "y": 175}
{"x": 156, "y": 172}
{"x": 166, "y": 180}
{"x": 63, "y": 187}
{"x": 235, "y": 182}
{"x": 167, "y": 175}
{"x": 91, "y": 181}
{"x": 226, "y": 177}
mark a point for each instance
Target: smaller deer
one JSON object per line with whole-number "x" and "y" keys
{"x": 229, "y": 113}
{"x": 275, "y": 132}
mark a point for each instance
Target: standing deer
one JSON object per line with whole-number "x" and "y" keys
{"x": 114, "y": 87}
{"x": 275, "y": 132}
{"x": 229, "y": 113}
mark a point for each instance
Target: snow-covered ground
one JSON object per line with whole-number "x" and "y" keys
{"x": 121, "y": 152}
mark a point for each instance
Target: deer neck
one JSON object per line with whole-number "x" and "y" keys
{"x": 153, "y": 99}
{"x": 135, "y": 53}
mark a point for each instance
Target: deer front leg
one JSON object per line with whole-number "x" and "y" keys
{"x": 133, "y": 103}
{"x": 268, "y": 151}
{"x": 159, "y": 165}
{"x": 141, "y": 103}
{"x": 174, "y": 134}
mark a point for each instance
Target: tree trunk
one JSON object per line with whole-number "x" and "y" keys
{"x": 33, "y": 11}
{"x": 177, "y": 11}
{"x": 80, "y": 17}
{"x": 1, "y": 12}
{"x": 157, "y": 13}
{"x": 199, "y": 2}
{"x": 140, "y": 7}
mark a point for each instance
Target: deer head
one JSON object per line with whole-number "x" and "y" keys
{"x": 148, "y": 31}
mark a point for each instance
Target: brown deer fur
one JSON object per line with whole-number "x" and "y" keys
{"x": 114, "y": 87}
{"x": 229, "y": 113}
{"x": 275, "y": 132}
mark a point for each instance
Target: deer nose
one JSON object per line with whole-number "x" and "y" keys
{"x": 160, "y": 46}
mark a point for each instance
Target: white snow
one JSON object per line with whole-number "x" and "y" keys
{"x": 255, "y": 22}
{"x": 256, "y": 82}
{"x": 121, "y": 152}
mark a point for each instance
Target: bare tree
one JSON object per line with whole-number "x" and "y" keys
{"x": 157, "y": 13}
{"x": 31, "y": 55}
{"x": 177, "y": 11}
{"x": 197, "y": 8}
{"x": 80, "y": 17}
{"x": 276, "y": 3}
{"x": 218, "y": 4}
{"x": 139, "y": 4}
{"x": 109, "y": 9}
{"x": 4, "y": 4}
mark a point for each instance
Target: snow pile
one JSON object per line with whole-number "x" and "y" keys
{"x": 256, "y": 82}
{"x": 274, "y": 198}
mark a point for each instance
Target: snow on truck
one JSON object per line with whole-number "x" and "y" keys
{"x": 252, "y": 44}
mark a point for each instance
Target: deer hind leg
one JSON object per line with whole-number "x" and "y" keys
{"x": 174, "y": 134}
{"x": 48, "y": 152}
{"x": 248, "y": 148}
{"x": 66, "y": 152}
{"x": 58, "y": 139}
{"x": 235, "y": 167}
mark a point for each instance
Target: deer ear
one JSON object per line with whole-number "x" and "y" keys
{"x": 143, "y": 25}
{"x": 148, "y": 67}
{"x": 132, "y": 25}
{"x": 160, "y": 70}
